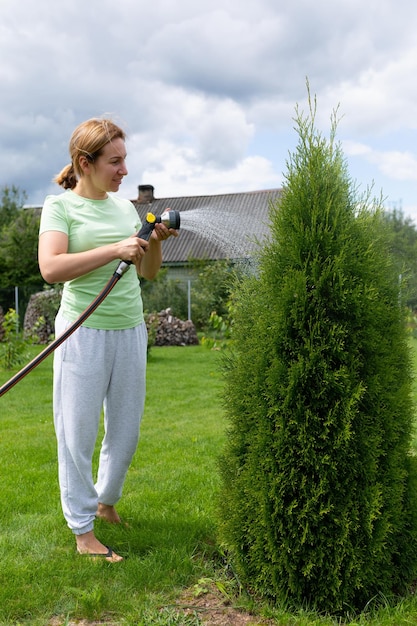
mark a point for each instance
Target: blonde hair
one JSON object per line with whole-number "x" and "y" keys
{"x": 88, "y": 140}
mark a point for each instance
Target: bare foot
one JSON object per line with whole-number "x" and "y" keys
{"x": 108, "y": 513}
{"x": 89, "y": 544}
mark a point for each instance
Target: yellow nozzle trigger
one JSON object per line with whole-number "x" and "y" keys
{"x": 150, "y": 218}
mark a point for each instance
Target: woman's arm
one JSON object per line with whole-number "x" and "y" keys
{"x": 57, "y": 265}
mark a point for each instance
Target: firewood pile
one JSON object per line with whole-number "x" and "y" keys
{"x": 171, "y": 331}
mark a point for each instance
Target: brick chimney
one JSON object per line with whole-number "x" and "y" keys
{"x": 145, "y": 195}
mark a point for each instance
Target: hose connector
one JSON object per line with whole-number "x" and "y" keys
{"x": 122, "y": 268}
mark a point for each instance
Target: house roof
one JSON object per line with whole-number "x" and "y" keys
{"x": 213, "y": 227}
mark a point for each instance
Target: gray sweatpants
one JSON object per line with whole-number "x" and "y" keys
{"x": 96, "y": 369}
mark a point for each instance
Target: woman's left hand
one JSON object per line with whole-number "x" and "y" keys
{"x": 161, "y": 232}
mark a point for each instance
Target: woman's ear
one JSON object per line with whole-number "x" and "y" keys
{"x": 84, "y": 164}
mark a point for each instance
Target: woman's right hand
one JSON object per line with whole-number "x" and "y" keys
{"x": 132, "y": 249}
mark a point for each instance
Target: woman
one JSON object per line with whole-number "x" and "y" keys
{"x": 84, "y": 232}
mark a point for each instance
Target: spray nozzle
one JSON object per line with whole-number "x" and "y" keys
{"x": 171, "y": 219}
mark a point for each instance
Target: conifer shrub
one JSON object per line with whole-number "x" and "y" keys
{"x": 317, "y": 500}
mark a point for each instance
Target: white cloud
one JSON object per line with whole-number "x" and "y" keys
{"x": 353, "y": 148}
{"x": 207, "y": 91}
{"x": 397, "y": 165}
{"x": 180, "y": 172}
{"x": 180, "y": 178}
{"x": 392, "y": 163}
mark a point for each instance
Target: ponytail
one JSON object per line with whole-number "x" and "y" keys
{"x": 66, "y": 177}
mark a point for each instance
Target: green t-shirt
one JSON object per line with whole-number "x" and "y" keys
{"x": 91, "y": 224}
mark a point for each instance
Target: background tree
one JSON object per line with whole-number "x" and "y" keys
{"x": 317, "y": 497}
{"x": 12, "y": 199}
{"x": 403, "y": 245}
{"x": 19, "y": 250}
{"x": 18, "y": 258}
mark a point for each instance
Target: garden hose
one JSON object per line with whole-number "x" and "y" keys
{"x": 171, "y": 219}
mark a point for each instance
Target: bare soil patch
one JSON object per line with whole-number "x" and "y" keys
{"x": 212, "y": 608}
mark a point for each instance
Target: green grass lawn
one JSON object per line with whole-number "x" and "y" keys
{"x": 170, "y": 541}
{"x": 167, "y": 503}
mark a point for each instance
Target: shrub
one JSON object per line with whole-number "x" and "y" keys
{"x": 219, "y": 330}
{"x": 317, "y": 502}
{"x": 13, "y": 348}
{"x": 210, "y": 293}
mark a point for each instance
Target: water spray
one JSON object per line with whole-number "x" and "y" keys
{"x": 171, "y": 219}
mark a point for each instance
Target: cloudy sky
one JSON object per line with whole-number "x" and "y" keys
{"x": 207, "y": 90}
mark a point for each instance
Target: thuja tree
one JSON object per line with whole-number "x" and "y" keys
{"x": 318, "y": 487}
